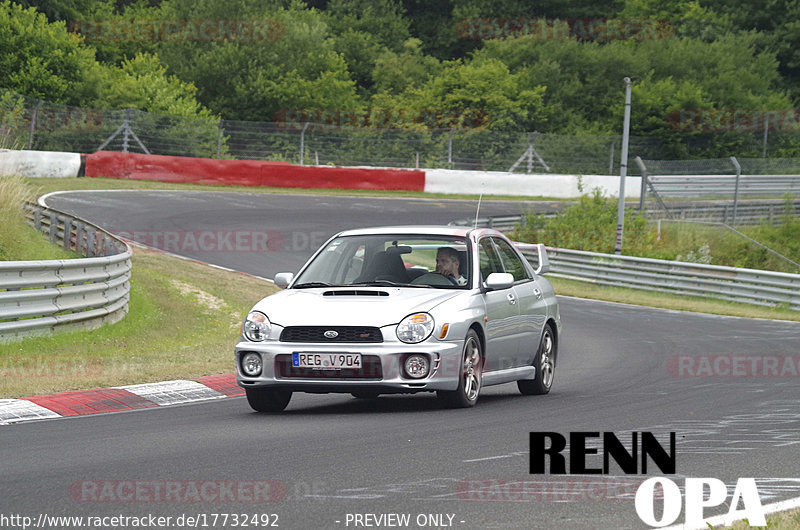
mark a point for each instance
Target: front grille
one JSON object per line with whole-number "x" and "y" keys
{"x": 344, "y": 334}
{"x": 370, "y": 369}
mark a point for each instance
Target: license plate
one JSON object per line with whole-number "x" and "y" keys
{"x": 326, "y": 361}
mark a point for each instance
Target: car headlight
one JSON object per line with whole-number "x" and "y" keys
{"x": 251, "y": 364}
{"x": 415, "y": 328}
{"x": 256, "y": 326}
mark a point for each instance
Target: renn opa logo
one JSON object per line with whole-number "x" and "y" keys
{"x": 700, "y": 493}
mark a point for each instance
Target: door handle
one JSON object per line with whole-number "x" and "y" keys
{"x": 537, "y": 292}
{"x": 511, "y": 299}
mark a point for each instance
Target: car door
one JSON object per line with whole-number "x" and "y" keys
{"x": 502, "y": 311}
{"x": 530, "y": 302}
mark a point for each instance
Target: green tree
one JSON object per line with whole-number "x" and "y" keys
{"x": 776, "y": 24}
{"x": 479, "y": 93}
{"x": 40, "y": 59}
{"x": 395, "y": 73}
{"x": 296, "y": 67}
{"x": 143, "y": 83}
{"x": 64, "y": 10}
{"x": 585, "y": 88}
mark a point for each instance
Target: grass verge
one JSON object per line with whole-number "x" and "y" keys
{"x": 47, "y": 185}
{"x": 183, "y": 323}
{"x": 18, "y": 240}
{"x": 677, "y": 302}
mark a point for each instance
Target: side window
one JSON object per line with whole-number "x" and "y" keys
{"x": 511, "y": 261}
{"x": 489, "y": 261}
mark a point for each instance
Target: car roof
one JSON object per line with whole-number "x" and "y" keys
{"x": 436, "y": 230}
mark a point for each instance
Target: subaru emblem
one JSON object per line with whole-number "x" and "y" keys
{"x": 331, "y": 334}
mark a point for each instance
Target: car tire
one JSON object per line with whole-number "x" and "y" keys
{"x": 365, "y": 394}
{"x": 545, "y": 363}
{"x": 268, "y": 399}
{"x": 470, "y": 378}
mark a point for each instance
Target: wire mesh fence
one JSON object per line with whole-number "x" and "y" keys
{"x": 29, "y": 123}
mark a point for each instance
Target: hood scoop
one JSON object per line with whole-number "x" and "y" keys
{"x": 355, "y": 292}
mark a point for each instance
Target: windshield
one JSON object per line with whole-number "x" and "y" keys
{"x": 385, "y": 260}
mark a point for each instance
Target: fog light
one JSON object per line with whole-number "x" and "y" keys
{"x": 251, "y": 364}
{"x": 417, "y": 366}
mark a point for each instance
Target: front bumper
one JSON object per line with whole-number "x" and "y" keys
{"x": 383, "y": 372}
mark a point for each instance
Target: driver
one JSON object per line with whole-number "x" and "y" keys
{"x": 447, "y": 262}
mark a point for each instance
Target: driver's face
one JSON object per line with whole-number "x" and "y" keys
{"x": 446, "y": 265}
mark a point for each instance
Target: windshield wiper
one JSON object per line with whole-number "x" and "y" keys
{"x": 389, "y": 283}
{"x": 311, "y": 284}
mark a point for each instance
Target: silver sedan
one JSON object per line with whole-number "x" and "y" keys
{"x": 403, "y": 310}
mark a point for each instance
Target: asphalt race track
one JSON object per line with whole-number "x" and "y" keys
{"x": 330, "y": 458}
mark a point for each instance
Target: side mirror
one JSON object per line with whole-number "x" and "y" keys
{"x": 499, "y": 280}
{"x": 283, "y": 279}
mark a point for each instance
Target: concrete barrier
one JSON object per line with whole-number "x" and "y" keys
{"x": 39, "y": 163}
{"x": 248, "y": 172}
{"x": 533, "y": 185}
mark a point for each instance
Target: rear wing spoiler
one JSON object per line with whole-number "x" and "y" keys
{"x": 536, "y": 254}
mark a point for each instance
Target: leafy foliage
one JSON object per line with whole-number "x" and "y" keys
{"x": 591, "y": 225}
{"x": 408, "y": 55}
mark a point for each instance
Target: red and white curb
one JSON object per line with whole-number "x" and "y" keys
{"x": 118, "y": 399}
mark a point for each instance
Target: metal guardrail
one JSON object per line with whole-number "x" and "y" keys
{"x": 725, "y": 185}
{"x": 750, "y": 213}
{"x": 37, "y": 297}
{"x": 750, "y": 286}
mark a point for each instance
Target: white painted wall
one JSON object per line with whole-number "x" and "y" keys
{"x": 534, "y": 184}
{"x": 39, "y": 163}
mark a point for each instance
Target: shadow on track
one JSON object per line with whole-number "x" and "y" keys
{"x": 399, "y": 403}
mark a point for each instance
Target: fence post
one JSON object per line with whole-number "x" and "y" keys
{"x": 450, "y": 148}
{"x": 736, "y": 188}
{"x": 33, "y": 123}
{"x": 643, "y": 191}
{"x": 611, "y": 159}
{"x": 126, "y": 130}
{"x": 303, "y": 141}
{"x": 219, "y": 137}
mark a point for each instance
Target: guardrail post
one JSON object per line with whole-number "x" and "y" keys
{"x": 67, "y": 232}
{"x": 90, "y": 240}
{"x": 80, "y": 230}
{"x": 53, "y": 227}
